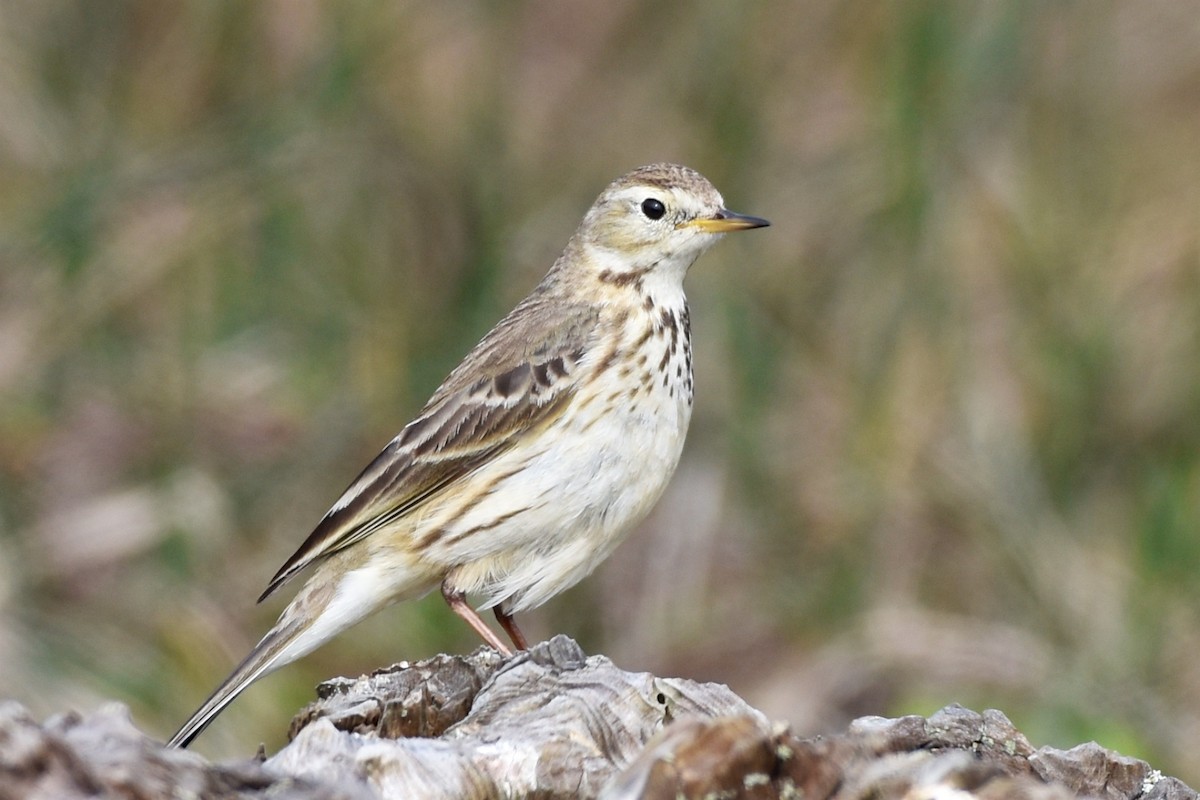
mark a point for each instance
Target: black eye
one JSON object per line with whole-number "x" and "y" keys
{"x": 653, "y": 209}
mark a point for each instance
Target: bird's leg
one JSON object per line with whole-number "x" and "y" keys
{"x": 510, "y": 627}
{"x": 458, "y": 604}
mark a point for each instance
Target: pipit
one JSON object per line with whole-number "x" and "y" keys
{"x": 531, "y": 462}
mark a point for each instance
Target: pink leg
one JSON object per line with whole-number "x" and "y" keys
{"x": 458, "y": 604}
{"x": 510, "y": 627}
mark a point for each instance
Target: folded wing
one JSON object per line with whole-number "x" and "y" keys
{"x": 530, "y": 363}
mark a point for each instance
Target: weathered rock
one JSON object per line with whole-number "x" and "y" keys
{"x": 555, "y": 723}
{"x": 103, "y": 755}
{"x": 549, "y": 720}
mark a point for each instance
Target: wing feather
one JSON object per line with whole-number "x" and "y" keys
{"x": 518, "y": 378}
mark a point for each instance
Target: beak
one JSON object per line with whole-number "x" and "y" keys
{"x": 726, "y": 221}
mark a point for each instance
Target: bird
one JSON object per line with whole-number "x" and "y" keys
{"x": 554, "y": 436}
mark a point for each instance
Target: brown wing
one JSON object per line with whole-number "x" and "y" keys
{"x": 518, "y": 378}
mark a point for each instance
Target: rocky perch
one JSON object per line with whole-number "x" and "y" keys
{"x": 555, "y": 723}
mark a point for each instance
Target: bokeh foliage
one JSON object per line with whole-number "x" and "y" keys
{"x": 948, "y": 415}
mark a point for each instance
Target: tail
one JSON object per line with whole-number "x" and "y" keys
{"x": 267, "y": 655}
{"x": 323, "y": 609}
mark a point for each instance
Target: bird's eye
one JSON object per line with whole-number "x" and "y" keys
{"x": 653, "y": 209}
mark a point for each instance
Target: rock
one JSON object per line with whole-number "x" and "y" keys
{"x": 555, "y": 723}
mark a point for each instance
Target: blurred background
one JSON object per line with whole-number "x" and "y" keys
{"x": 946, "y": 444}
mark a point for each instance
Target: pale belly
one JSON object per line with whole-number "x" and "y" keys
{"x": 558, "y": 505}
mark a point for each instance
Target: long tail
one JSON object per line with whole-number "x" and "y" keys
{"x": 327, "y": 605}
{"x": 266, "y": 656}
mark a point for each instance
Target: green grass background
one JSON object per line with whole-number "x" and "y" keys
{"x": 946, "y": 439}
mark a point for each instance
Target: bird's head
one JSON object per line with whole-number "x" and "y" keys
{"x": 659, "y": 217}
